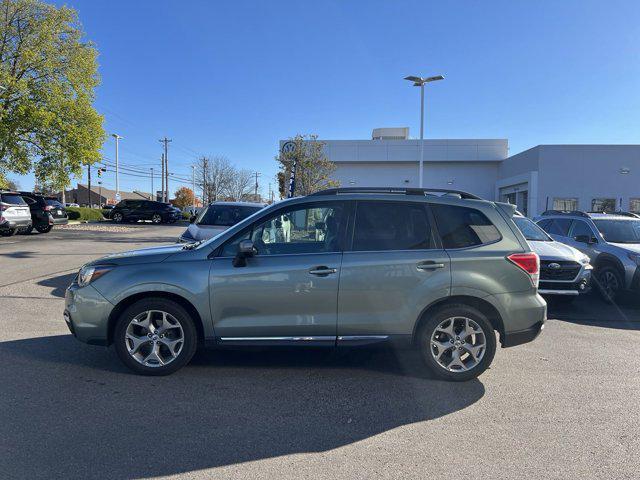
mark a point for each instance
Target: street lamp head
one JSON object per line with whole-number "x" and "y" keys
{"x": 419, "y": 81}
{"x": 116, "y": 136}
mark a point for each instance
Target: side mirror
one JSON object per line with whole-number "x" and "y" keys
{"x": 245, "y": 250}
{"x": 192, "y": 218}
{"x": 588, "y": 239}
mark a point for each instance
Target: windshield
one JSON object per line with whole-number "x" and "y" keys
{"x": 225, "y": 215}
{"x": 531, "y": 231}
{"x": 619, "y": 231}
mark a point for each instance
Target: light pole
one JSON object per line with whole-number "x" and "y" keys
{"x": 117, "y": 137}
{"x": 152, "y": 194}
{"x": 419, "y": 82}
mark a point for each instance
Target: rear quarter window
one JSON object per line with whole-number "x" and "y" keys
{"x": 462, "y": 227}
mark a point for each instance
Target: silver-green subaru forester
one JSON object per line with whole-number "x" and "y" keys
{"x": 438, "y": 270}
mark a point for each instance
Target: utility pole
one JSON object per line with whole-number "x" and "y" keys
{"x": 255, "y": 194}
{"x": 153, "y": 195}
{"x": 117, "y": 137}
{"x": 205, "y": 194}
{"x": 193, "y": 185}
{"x": 166, "y": 141}
{"x": 99, "y": 192}
{"x": 162, "y": 178}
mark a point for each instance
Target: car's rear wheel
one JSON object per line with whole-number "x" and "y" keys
{"x": 27, "y": 231}
{"x": 156, "y": 218}
{"x": 8, "y": 232}
{"x": 117, "y": 217}
{"x": 44, "y": 228}
{"x": 457, "y": 343}
{"x": 609, "y": 283}
{"x": 155, "y": 336}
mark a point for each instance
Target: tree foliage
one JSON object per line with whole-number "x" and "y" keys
{"x": 184, "y": 198}
{"x": 48, "y": 74}
{"x": 313, "y": 168}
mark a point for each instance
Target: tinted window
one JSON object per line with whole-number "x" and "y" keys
{"x": 391, "y": 226}
{"x": 556, "y": 226}
{"x": 12, "y": 199}
{"x": 462, "y": 227}
{"x": 224, "y": 215}
{"x": 619, "y": 231}
{"x": 315, "y": 229}
{"x": 581, "y": 228}
{"x": 53, "y": 203}
{"x": 530, "y": 230}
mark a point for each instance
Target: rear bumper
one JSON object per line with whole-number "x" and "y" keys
{"x": 519, "y": 337}
{"x": 10, "y": 223}
{"x": 60, "y": 220}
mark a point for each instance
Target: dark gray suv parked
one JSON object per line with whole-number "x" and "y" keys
{"x": 341, "y": 267}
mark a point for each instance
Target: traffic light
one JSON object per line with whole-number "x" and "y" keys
{"x": 100, "y": 170}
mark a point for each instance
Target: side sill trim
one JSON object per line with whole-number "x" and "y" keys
{"x": 361, "y": 339}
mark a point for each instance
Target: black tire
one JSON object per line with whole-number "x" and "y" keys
{"x": 117, "y": 217}
{"x": 27, "y": 231}
{"x": 426, "y": 347}
{"x": 156, "y": 219}
{"x": 8, "y": 232}
{"x": 179, "y": 313}
{"x": 44, "y": 228}
{"x": 609, "y": 282}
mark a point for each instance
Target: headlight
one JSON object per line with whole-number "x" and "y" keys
{"x": 89, "y": 274}
{"x": 634, "y": 257}
{"x": 584, "y": 259}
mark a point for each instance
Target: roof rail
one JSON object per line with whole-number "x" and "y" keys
{"x": 575, "y": 213}
{"x": 620, "y": 213}
{"x": 396, "y": 191}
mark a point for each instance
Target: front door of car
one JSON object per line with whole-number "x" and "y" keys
{"x": 582, "y": 237}
{"x": 287, "y": 291}
{"x": 394, "y": 268}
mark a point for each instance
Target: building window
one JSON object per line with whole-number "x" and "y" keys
{"x": 605, "y": 205}
{"x": 634, "y": 205}
{"x": 565, "y": 204}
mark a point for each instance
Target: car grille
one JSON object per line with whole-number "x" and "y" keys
{"x": 567, "y": 271}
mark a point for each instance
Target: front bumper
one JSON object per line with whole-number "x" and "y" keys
{"x": 579, "y": 285}
{"x": 86, "y": 313}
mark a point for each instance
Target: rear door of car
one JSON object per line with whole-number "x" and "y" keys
{"x": 393, "y": 268}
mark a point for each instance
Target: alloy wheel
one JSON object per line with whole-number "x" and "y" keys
{"x": 609, "y": 284}
{"x": 156, "y": 218}
{"x": 458, "y": 344}
{"x": 117, "y": 217}
{"x": 154, "y": 338}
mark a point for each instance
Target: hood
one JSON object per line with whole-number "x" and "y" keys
{"x": 554, "y": 250}
{"x": 631, "y": 247}
{"x": 143, "y": 255}
{"x": 203, "y": 232}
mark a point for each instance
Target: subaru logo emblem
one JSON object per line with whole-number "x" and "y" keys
{"x": 554, "y": 266}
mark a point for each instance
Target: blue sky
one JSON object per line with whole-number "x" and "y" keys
{"x": 232, "y": 78}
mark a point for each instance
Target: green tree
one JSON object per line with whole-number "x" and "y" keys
{"x": 48, "y": 75}
{"x": 184, "y": 198}
{"x": 313, "y": 168}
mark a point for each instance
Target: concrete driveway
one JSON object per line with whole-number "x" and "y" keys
{"x": 565, "y": 406}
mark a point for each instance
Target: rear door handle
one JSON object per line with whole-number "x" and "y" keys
{"x": 322, "y": 271}
{"x": 429, "y": 266}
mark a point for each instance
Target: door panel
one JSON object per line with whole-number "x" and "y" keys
{"x": 383, "y": 293}
{"x": 276, "y": 296}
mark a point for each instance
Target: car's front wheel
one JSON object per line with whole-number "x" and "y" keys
{"x": 117, "y": 217}
{"x": 156, "y": 218}
{"x": 457, "y": 343}
{"x": 155, "y": 336}
{"x": 44, "y": 228}
{"x": 609, "y": 283}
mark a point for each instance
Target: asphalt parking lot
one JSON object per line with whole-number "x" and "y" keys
{"x": 565, "y": 406}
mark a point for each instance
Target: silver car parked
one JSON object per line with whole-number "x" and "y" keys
{"x": 610, "y": 240}
{"x": 338, "y": 268}
{"x": 216, "y": 218}
{"x": 15, "y": 214}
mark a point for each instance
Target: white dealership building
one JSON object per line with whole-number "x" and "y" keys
{"x": 566, "y": 177}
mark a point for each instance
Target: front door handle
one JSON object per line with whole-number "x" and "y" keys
{"x": 429, "y": 266}
{"x": 322, "y": 271}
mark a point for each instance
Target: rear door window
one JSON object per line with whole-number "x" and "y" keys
{"x": 12, "y": 199}
{"x": 556, "y": 226}
{"x": 462, "y": 227}
{"x": 392, "y": 226}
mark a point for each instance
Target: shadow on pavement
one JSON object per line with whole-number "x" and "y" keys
{"x": 591, "y": 310}
{"x": 72, "y": 410}
{"x": 58, "y": 283}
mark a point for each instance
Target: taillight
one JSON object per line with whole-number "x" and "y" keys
{"x": 529, "y": 262}
{"x": 3, "y": 207}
